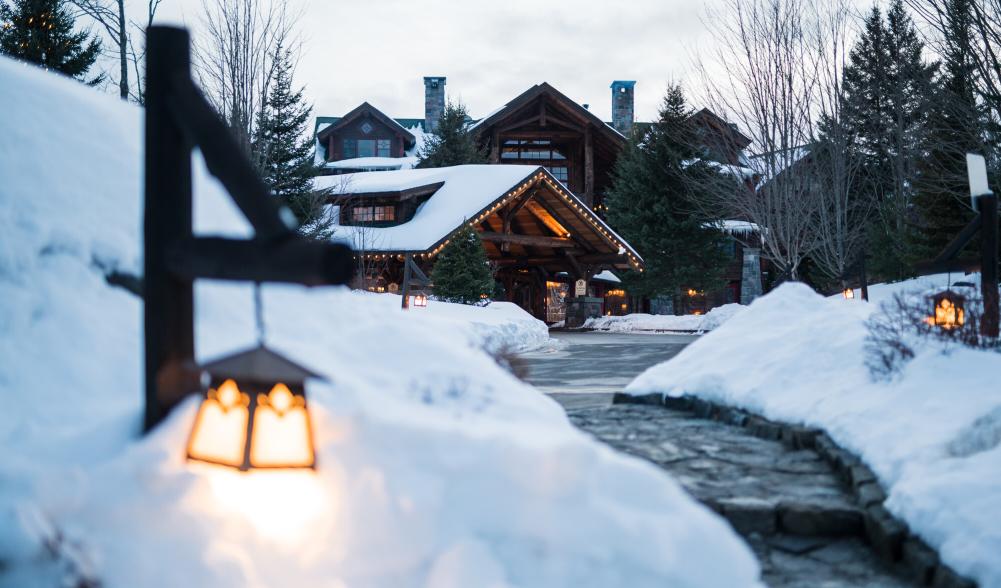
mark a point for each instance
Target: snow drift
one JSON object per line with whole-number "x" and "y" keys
{"x": 931, "y": 435}
{"x": 436, "y": 468}
{"x": 639, "y": 322}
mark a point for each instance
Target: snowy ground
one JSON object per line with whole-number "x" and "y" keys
{"x": 638, "y": 323}
{"x": 436, "y": 468}
{"x": 932, "y": 435}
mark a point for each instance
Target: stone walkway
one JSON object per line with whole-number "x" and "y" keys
{"x": 790, "y": 507}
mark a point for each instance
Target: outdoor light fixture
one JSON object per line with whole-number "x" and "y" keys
{"x": 419, "y": 301}
{"x": 948, "y": 310}
{"x": 848, "y": 293}
{"x": 254, "y": 414}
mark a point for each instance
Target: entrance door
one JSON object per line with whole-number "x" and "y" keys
{"x": 556, "y": 301}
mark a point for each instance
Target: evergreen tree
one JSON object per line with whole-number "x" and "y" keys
{"x": 887, "y": 83}
{"x": 41, "y": 32}
{"x": 657, "y": 182}
{"x": 462, "y": 273}
{"x": 956, "y": 127}
{"x": 282, "y": 148}
{"x": 451, "y": 144}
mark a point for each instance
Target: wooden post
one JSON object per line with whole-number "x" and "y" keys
{"x": 987, "y": 206}
{"x": 588, "y": 167}
{"x": 863, "y": 278}
{"x": 495, "y": 147}
{"x": 405, "y": 290}
{"x": 169, "y": 299}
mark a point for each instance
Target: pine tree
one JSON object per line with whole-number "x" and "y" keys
{"x": 462, "y": 273}
{"x": 282, "y": 148}
{"x": 41, "y": 32}
{"x": 451, "y": 144}
{"x": 887, "y": 83}
{"x": 652, "y": 203}
{"x": 956, "y": 127}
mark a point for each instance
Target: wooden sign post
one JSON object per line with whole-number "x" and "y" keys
{"x": 985, "y": 203}
{"x": 179, "y": 118}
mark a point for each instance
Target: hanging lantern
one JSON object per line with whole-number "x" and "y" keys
{"x": 254, "y": 414}
{"x": 848, "y": 293}
{"x": 948, "y": 310}
{"x": 419, "y": 300}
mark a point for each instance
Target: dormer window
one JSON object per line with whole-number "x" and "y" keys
{"x": 368, "y": 214}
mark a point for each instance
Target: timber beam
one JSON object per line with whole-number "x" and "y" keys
{"x": 529, "y": 240}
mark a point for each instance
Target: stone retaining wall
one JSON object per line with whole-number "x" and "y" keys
{"x": 889, "y": 537}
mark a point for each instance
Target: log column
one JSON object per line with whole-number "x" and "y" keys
{"x": 588, "y": 167}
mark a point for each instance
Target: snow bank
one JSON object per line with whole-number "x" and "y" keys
{"x": 931, "y": 435}
{"x": 499, "y": 327}
{"x": 639, "y": 322}
{"x": 436, "y": 468}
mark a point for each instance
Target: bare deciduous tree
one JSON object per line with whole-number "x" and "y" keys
{"x": 761, "y": 75}
{"x": 985, "y": 20}
{"x": 111, "y": 16}
{"x": 235, "y": 58}
{"x": 842, "y": 213}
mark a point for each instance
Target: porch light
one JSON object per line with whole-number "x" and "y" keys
{"x": 419, "y": 301}
{"x": 848, "y": 293}
{"x": 254, "y": 414}
{"x": 948, "y": 310}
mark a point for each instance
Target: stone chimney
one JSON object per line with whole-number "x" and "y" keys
{"x": 434, "y": 102}
{"x": 622, "y": 106}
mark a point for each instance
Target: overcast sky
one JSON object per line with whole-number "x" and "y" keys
{"x": 490, "y": 51}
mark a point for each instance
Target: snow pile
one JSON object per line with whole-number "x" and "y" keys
{"x": 436, "y": 468}
{"x": 639, "y": 322}
{"x": 499, "y": 327}
{"x": 931, "y": 434}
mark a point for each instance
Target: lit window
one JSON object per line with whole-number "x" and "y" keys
{"x": 367, "y": 214}
{"x": 382, "y": 148}
{"x": 362, "y": 214}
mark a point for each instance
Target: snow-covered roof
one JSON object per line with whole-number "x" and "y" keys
{"x": 607, "y": 276}
{"x": 466, "y": 190}
{"x": 373, "y": 163}
{"x": 740, "y": 227}
{"x": 461, "y": 193}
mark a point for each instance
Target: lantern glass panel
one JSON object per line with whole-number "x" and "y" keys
{"x": 281, "y": 433}
{"x": 220, "y": 431}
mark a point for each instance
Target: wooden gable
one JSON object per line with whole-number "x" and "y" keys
{"x": 364, "y": 123}
{"x": 543, "y": 120}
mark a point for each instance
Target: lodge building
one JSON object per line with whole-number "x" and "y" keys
{"x": 537, "y": 205}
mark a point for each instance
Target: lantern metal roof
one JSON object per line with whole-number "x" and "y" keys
{"x": 258, "y": 364}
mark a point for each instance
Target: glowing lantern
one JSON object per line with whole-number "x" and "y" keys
{"x": 254, "y": 414}
{"x": 848, "y": 293}
{"x": 948, "y": 311}
{"x": 419, "y": 300}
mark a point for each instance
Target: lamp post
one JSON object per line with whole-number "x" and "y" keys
{"x": 248, "y": 387}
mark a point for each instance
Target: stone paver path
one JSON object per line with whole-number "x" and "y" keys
{"x": 788, "y": 505}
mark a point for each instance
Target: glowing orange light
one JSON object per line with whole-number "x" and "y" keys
{"x": 248, "y": 428}
{"x": 949, "y": 311}
{"x": 419, "y": 300}
{"x": 848, "y": 293}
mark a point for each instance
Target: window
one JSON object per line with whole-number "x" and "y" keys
{"x": 349, "y": 151}
{"x": 366, "y": 147}
{"x": 367, "y": 214}
{"x": 382, "y": 148}
{"x": 560, "y": 173}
